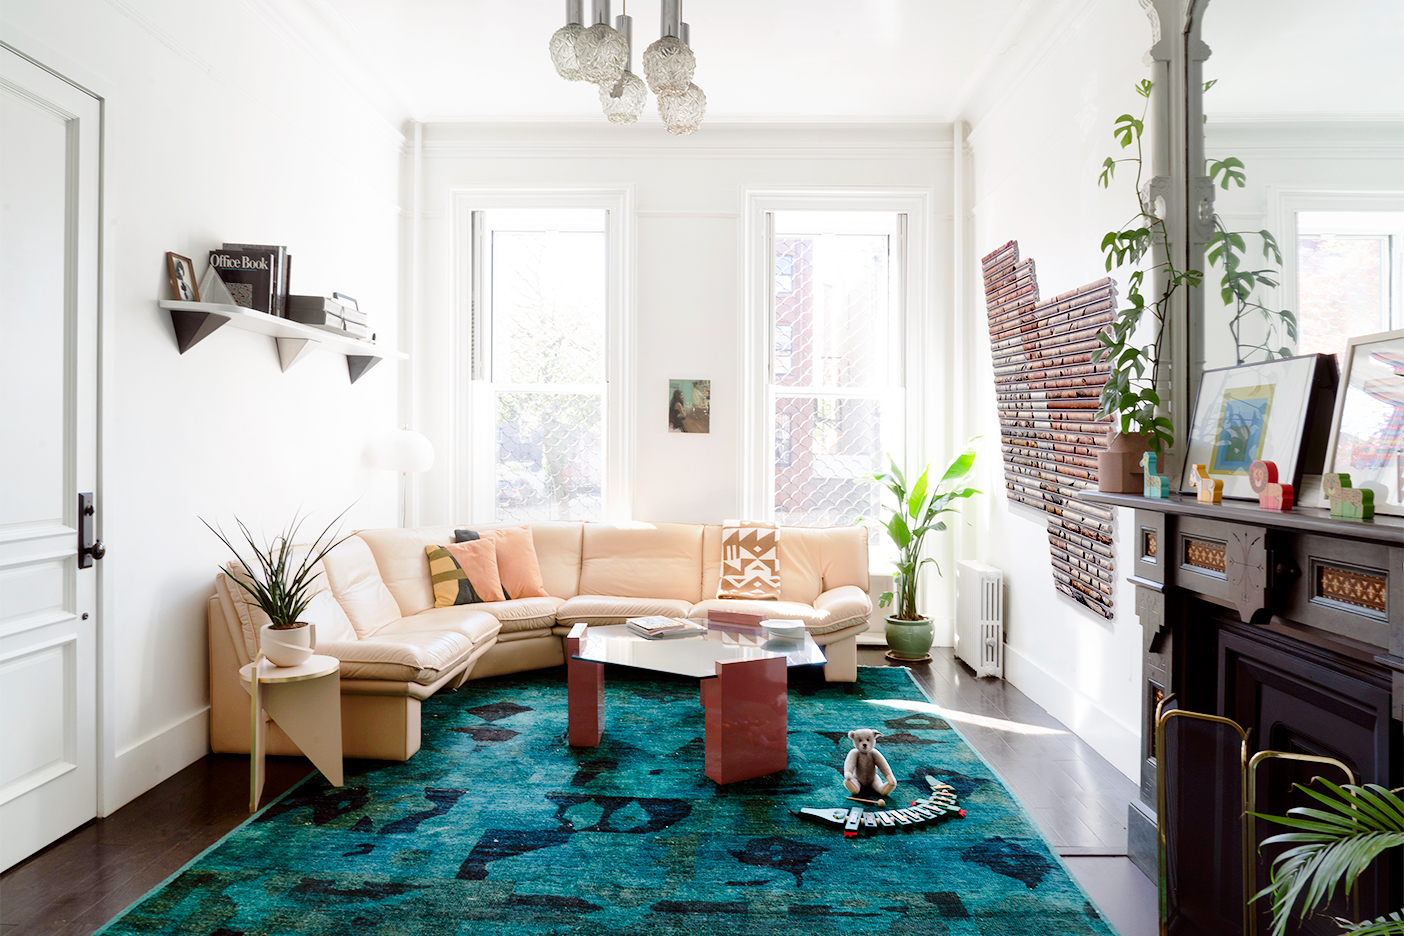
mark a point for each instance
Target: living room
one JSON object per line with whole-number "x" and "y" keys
{"x": 382, "y": 144}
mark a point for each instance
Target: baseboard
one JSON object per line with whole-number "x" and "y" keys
{"x": 140, "y": 766}
{"x": 1120, "y": 745}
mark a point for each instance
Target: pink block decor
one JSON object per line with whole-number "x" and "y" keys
{"x": 585, "y": 693}
{"x": 746, "y": 719}
{"x": 1262, "y": 478}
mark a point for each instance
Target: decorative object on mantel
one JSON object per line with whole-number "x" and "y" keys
{"x": 1157, "y": 485}
{"x": 1275, "y": 406}
{"x": 1048, "y": 387}
{"x": 918, "y": 507}
{"x": 603, "y": 55}
{"x": 1367, "y": 431}
{"x": 1272, "y": 495}
{"x": 1211, "y": 490}
{"x": 281, "y": 585}
{"x": 1347, "y": 503}
{"x": 1119, "y": 464}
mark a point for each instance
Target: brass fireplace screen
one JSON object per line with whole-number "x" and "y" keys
{"x": 1202, "y": 760}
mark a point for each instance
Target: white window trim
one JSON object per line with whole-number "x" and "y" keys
{"x": 911, "y": 256}
{"x": 468, "y": 460}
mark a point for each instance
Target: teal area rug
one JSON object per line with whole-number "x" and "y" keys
{"x": 498, "y": 826}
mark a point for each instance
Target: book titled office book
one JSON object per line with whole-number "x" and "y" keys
{"x": 664, "y": 628}
{"x": 261, "y": 272}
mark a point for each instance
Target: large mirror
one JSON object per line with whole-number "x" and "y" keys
{"x": 1304, "y": 120}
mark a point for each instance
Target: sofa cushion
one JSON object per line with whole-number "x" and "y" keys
{"x": 520, "y": 614}
{"x": 750, "y": 561}
{"x": 323, "y": 610}
{"x": 517, "y": 567}
{"x": 558, "y": 544}
{"x": 416, "y": 656}
{"x": 399, "y": 554}
{"x": 835, "y": 610}
{"x": 355, "y": 580}
{"x": 467, "y": 620}
{"x": 656, "y": 560}
{"x": 816, "y": 559}
{"x": 464, "y": 573}
{"x": 613, "y": 609}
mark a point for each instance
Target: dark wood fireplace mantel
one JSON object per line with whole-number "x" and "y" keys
{"x": 1290, "y": 624}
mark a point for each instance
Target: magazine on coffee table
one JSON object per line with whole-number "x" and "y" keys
{"x": 662, "y": 628}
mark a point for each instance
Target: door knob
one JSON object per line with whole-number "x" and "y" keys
{"x": 97, "y": 550}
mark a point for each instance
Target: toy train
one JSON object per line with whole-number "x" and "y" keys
{"x": 856, "y": 819}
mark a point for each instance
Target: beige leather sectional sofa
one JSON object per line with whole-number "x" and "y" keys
{"x": 374, "y": 610}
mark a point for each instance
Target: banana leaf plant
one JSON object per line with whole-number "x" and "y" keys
{"x": 1329, "y": 849}
{"x": 279, "y": 581}
{"x": 915, "y": 516}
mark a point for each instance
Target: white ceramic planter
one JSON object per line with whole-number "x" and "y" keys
{"x": 288, "y": 647}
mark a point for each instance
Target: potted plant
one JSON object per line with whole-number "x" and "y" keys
{"x": 280, "y": 582}
{"x": 1330, "y": 848}
{"x": 919, "y": 505}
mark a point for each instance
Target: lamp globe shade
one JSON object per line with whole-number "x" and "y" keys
{"x": 408, "y": 450}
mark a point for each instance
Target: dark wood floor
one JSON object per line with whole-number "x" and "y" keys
{"x": 1078, "y": 799}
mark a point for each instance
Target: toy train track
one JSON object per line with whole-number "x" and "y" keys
{"x": 854, "y": 820}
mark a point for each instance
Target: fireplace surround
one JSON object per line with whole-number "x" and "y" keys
{"x": 1291, "y": 625}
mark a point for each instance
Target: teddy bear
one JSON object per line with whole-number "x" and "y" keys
{"x": 865, "y": 766}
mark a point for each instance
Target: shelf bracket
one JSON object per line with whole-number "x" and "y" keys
{"x": 358, "y": 364}
{"x": 292, "y": 350}
{"x": 191, "y": 328}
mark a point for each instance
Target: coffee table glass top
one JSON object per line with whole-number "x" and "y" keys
{"x": 691, "y": 656}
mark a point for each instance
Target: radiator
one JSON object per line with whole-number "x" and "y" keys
{"x": 980, "y": 617}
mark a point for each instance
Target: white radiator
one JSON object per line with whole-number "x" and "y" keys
{"x": 980, "y": 617}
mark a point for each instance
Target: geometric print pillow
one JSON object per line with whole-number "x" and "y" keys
{"x": 464, "y": 573}
{"x": 750, "y": 561}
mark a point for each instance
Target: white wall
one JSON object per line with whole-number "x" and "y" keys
{"x": 1041, "y": 125}
{"x": 219, "y": 126}
{"x": 686, "y": 292}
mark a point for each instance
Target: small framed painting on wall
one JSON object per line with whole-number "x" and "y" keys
{"x": 689, "y": 406}
{"x": 1367, "y": 430}
{"x": 1260, "y": 412}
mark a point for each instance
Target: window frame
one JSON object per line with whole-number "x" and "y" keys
{"x": 911, "y": 261}
{"x": 470, "y": 411}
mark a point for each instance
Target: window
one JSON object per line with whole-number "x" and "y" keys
{"x": 1349, "y": 266}
{"x": 540, "y": 339}
{"x": 835, "y": 394}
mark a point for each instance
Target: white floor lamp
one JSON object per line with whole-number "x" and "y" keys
{"x": 404, "y": 450}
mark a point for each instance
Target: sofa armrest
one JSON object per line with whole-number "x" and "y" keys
{"x": 844, "y": 603}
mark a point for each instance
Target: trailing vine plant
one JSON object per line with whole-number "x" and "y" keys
{"x": 1237, "y": 285}
{"x": 1130, "y": 395}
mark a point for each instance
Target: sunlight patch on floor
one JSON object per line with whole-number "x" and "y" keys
{"x": 967, "y": 718}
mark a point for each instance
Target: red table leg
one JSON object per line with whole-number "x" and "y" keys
{"x": 585, "y": 695}
{"x": 746, "y": 719}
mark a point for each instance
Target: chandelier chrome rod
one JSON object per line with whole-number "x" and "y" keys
{"x": 601, "y": 12}
{"x": 575, "y": 12}
{"x": 670, "y": 19}
{"x": 625, "y": 25}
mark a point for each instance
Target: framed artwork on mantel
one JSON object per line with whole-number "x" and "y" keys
{"x": 1367, "y": 430}
{"x": 1261, "y": 411}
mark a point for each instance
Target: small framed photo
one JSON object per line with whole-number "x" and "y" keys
{"x": 1367, "y": 430}
{"x": 689, "y": 406}
{"x": 183, "y": 282}
{"x": 1265, "y": 411}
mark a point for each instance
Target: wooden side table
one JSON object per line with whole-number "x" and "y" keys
{"x": 304, "y": 701}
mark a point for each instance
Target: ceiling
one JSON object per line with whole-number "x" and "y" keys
{"x": 800, "y": 60}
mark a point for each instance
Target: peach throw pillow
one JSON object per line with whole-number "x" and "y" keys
{"x": 516, "y": 560}
{"x": 478, "y": 560}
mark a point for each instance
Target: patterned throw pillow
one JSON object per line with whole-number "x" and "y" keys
{"x": 464, "y": 573}
{"x": 516, "y": 560}
{"x": 750, "y": 561}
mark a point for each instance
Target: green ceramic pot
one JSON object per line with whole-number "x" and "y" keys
{"x": 909, "y": 640}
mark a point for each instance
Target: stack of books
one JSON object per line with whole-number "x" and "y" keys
{"x": 256, "y": 275}
{"x": 660, "y": 628}
{"x": 338, "y": 314}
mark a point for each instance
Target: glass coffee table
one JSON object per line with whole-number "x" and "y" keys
{"x": 743, "y": 681}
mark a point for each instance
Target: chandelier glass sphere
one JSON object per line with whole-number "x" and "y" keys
{"x": 682, "y": 113}
{"x": 563, "y": 51}
{"x": 669, "y": 64}
{"x": 602, "y": 52}
{"x": 624, "y": 101}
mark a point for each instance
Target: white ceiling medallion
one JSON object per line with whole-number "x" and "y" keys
{"x": 603, "y": 55}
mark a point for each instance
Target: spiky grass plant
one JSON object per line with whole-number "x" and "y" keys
{"x": 1330, "y": 849}
{"x": 282, "y": 585}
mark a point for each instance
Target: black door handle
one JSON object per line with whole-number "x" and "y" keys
{"x": 88, "y": 548}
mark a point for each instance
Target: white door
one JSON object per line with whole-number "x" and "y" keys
{"x": 49, "y": 152}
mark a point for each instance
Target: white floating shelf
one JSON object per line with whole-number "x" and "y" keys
{"x": 195, "y": 321}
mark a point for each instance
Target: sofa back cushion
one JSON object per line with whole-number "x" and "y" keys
{"x": 558, "y": 544}
{"x": 323, "y": 610}
{"x": 517, "y": 567}
{"x": 355, "y": 579}
{"x": 404, "y": 568}
{"x": 645, "y": 560}
{"x": 812, "y": 560}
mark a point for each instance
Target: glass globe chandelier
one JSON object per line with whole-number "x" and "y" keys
{"x": 563, "y": 42}
{"x": 601, "y": 50}
{"x": 602, "y": 55}
{"x": 624, "y": 100}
